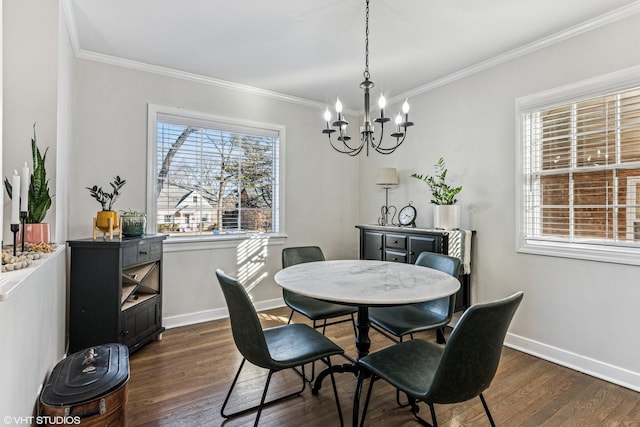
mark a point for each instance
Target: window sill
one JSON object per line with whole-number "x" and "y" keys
{"x": 10, "y": 281}
{"x": 180, "y": 244}
{"x": 611, "y": 254}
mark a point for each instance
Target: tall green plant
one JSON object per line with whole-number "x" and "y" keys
{"x": 39, "y": 200}
{"x": 443, "y": 193}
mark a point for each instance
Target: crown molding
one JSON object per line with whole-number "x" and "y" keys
{"x": 592, "y": 24}
{"x": 67, "y": 11}
{"x": 599, "y": 21}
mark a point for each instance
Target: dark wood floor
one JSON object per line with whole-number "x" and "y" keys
{"x": 182, "y": 381}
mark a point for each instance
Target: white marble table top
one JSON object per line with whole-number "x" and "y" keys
{"x": 371, "y": 283}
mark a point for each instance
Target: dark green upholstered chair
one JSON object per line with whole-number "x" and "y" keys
{"x": 275, "y": 349}
{"x": 396, "y": 322}
{"x": 457, "y": 372}
{"x": 314, "y": 309}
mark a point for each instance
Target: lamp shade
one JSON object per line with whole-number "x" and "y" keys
{"x": 387, "y": 176}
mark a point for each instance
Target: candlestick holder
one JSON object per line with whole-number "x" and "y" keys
{"x": 23, "y": 218}
{"x": 14, "y": 230}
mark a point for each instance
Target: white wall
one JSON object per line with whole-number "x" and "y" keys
{"x": 580, "y": 313}
{"x": 110, "y": 138}
{"x": 30, "y": 87}
{"x": 36, "y": 87}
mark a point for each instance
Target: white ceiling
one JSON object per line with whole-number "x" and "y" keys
{"x": 314, "y": 49}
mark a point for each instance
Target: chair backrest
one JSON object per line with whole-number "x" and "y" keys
{"x": 301, "y": 254}
{"x": 471, "y": 356}
{"x": 298, "y": 255}
{"x": 447, "y": 264}
{"x": 245, "y": 325}
{"x": 441, "y": 262}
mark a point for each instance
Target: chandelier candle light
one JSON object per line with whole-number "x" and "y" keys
{"x": 367, "y": 130}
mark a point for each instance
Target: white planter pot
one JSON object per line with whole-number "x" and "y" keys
{"x": 446, "y": 217}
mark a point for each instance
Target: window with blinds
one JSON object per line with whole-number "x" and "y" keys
{"x": 580, "y": 165}
{"x": 214, "y": 177}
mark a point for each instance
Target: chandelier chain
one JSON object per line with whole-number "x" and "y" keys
{"x": 366, "y": 45}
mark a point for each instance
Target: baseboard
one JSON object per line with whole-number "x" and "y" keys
{"x": 215, "y": 314}
{"x": 595, "y": 368}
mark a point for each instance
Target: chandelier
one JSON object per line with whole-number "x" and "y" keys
{"x": 367, "y": 138}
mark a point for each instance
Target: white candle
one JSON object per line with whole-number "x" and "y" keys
{"x": 24, "y": 188}
{"x": 15, "y": 199}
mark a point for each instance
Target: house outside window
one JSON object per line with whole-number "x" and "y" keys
{"x": 223, "y": 172}
{"x": 579, "y": 170}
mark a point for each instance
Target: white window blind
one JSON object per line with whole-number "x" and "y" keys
{"x": 214, "y": 177}
{"x": 580, "y": 170}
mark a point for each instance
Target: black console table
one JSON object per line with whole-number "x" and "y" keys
{"x": 399, "y": 244}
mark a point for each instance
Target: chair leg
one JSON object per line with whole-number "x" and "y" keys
{"x": 433, "y": 415}
{"x": 290, "y": 317}
{"x": 335, "y": 391}
{"x": 233, "y": 384}
{"x": 486, "y": 409}
{"x": 415, "y": 409}
{"x": 366, "y": 401}
{"x": 264, "y": 394}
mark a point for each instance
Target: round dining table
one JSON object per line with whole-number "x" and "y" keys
{"x": 365, "y": 283}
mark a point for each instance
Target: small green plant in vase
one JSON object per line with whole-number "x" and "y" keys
{"x": 444, "y": 196}
{"x": 107, "y": 200}
{"x": 134, "y": 223}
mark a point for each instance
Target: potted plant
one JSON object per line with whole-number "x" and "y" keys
{"x": 133, "y": 223}
{"x": 107, "y": 200}
{"x": 446, "y": 214}
{"x": 39, "y": 199}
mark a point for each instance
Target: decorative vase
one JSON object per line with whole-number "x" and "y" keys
{"x": 102, "y": 220}
{"x": 35, "y": 233}
{"x": 133, "y": 225}
{"x": 446, "y": 217}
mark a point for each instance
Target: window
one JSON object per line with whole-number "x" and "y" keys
{"x": 579, "y": 159}
{"x": 212, "y": 176}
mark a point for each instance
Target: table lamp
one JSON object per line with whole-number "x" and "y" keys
{"x": 386, "y": 177}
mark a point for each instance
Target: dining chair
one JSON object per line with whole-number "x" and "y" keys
{"x": 396, "y": 322}
{"x": 457, "y": 372}
{"x": 403, "y": 320}
{"x": 275, "y": 349}
{"x": 314, "y": 309}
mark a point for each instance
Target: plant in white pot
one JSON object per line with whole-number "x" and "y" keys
{"x": 446, "y": 214}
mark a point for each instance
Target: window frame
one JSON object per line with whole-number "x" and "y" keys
{"x": 600, "y": 85}
{"x": 222, "y": 240}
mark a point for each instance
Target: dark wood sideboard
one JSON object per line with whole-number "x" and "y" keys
{"x": 115, "y": 291}
{"x": 399, "y": 244}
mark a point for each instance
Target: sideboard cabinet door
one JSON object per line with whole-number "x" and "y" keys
{"x": 371, "y": 246}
